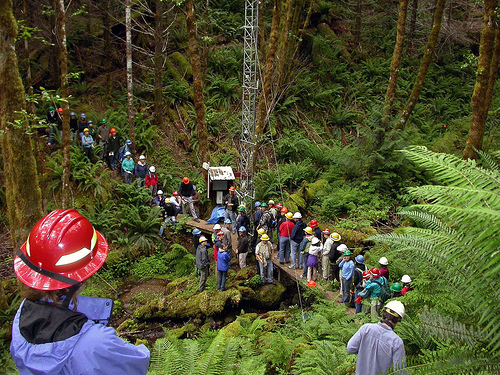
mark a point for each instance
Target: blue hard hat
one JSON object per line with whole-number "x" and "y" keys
{"x": 227, "y": 221}
{"x": 128, "y": 142}
{"x": 242, "y": 229}
{"x": 72, "y": 114}
{"x": 90, "y": 122}
{"x": 360, "y": 259}
{"x": 196, "y": 231}
{"x": 257, "y": 204}
{"x": 83, "y": 115}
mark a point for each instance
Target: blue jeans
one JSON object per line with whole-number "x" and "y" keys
{"x": 284, "y": 252}
{"x": 358, "y": 305}
{"x": 229, "y": 214}
{"x": 269, "y": 264}
{"x": 294, "y": 249}
{"x": 304, "y": 263}
{"x": 221, "y": 280}
{"x": 128, "y": 177}
{"x": 164, "y": 224}
{"x": 346, "y": 290}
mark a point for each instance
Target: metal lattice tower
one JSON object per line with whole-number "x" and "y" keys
{"x": 250, "y": 90}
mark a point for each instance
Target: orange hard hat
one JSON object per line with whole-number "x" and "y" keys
{"x": 311, "y": 284}
{"x": 232, "y": 188}
{"x": 185, "y": 180}
{"x": 284, "y": 209}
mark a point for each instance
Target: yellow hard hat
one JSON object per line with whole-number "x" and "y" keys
{"x": 86, "y": 130}
{"x": 265, "y": 237}
{"x": 261, "y": 231}
{"x": 308, "y": 230}
{"x": 202, "y": 239}
{"x": 336, "y": 237}
{"x": 289, "y": 215}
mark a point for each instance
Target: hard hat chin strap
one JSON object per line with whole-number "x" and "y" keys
{"x": 74, "y": 285}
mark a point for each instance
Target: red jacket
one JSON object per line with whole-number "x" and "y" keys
{"x": 286, "y": 228}
{"x": 151, "y": 179}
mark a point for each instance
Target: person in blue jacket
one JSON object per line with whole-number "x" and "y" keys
{"x": 347, "y": 267}
{"x": 55, "y": 331}
{"x": 223, "y": 261}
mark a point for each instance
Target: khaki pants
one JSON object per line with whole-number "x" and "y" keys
{"x": 312, "y": 273}
{"x": 325, "y": 266}
{"x": 243, "y": 260}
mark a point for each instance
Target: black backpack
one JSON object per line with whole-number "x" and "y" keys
{"x": 385, "y": 292}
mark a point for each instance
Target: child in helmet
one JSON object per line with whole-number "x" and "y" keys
{"x": 304, "y": 249}
{"x": 87, "y": 143}
{"x": 151, "y": 180}
{"x": 242, "y": 247}
{"x": 406, "y": 284}
{"x": 128, "y": 168}
{"x": 396, "y": 289}
{"x": 56, "y": 331}
{"x": 383, "y": 270}
{"x": 347, "y": 267}
{"x": 374, "y": 286}
{"x": 312, "y": 260}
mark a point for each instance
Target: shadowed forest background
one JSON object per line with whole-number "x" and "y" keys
{"x": 377, "y": 118}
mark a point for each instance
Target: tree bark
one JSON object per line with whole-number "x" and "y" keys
{"x": 357, "y": 22}
{"x": 396, "y": 58}
{"x": 199, "y": 104}
{"x": 424, "y": 64}
{"x": 480, "y": 103}
{"x": 158, "y": 64}
{"x": 27, "y": 56}
{"x": 106, "y": 59}
{"x": 63, "y": 63}
{"x": 264, "y": 104}
{"x": 411, "y": 27}
{"x": 22, "y": 192}
{"x": 130, "y": 84}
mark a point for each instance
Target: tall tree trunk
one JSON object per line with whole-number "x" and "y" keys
{"x": 130, "y": 86}
{"x": 158, "y": 64}
{"x": 396, "y": 58}
{"x": 265, "y": 95}
{"x": 357, "y": 22}
{"x": 63, "y": 62}
{"x": 27, "y": 56}
{"x": 106, "y": 60}
{"x": 424, "y": 64}
{"x": 22, "y": 192}
{"x": 480, "y": 103}
{"x": 411, "y": 27}
{"x": 199, "y": 104}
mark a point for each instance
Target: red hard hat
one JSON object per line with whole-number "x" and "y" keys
{"x": 375, "y": 272}
{"x": 185, "y": 180}
{"x": 60, "y": 110}
{"x": 313, "y": 223}
{"x": 113, "y": 130}
{"x": 62, "y": 245}
{"x": 220, "y": 233}
{"x": 366, "y": 274}
{"x": 326, "y": 231}
{"x": 280, "y": 205}
{"x": 175, "y": 193}
{"x": 231, "y": 188}
{"x": 284, "y": 209}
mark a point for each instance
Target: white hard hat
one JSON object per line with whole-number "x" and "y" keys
{"x": 152, "y": 169}
{"x": 128, "y": 153}
{"x": 142, "y": 157}
{"x": 217, "y": 227}
{"x": 406, "y": 279}
{"x": 315, "y": 240}
{"x": 159, "y": 192}
{"x": 396, "y": 307}
{"x": 342, "y": 248}
{"x": 383, "y": 261}
{"x": 297, "y": 215}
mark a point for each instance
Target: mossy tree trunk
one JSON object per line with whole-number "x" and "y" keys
{"x": 424, "y": 64}
{"x": 63, "y": 63}
{"x": 485, "y": 70}
{"x": 27, "y": 56}
{"x": 396, "y": 58}
{"x": 357, "y": 22}
{"x": 22, "y": 192}
{"x": 411, "y": 27}
{"x": 130, "y": 83}
{"x": 199, "y": 104}
{"x": 158, "y": 64}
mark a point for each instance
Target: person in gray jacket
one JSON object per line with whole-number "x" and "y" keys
{"x": 377, "y": 346}
{"x": 202, "y": 262}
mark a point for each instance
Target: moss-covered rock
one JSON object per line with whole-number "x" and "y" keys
{"x": 182, "y": 65}
{"x": 269, "y": 295}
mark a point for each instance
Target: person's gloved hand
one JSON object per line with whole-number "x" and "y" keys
{"x": 358, "y": 300}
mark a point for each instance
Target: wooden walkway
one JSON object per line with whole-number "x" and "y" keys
{"x": 282, "y": 268}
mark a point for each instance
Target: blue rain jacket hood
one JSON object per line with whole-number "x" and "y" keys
{"x": 48, "y": 339}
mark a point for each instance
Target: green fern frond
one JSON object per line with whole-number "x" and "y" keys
{"x": 489, "y": 160}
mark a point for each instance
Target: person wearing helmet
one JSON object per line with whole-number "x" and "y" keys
{"x": 281, "y": 220}
{"x": 335, "y": 255}
{"x": 55, "y": 330}
{"x": 227, "y": 240}
{"x": 256, "y": 219}
{"x": 359, "y": 282}
{"x": 202, "y": 262}
{"x": 219, "y": 237}
{"x": 374, "y": 286}
{"x": 325, "y": 254}
{"x": 296, "y": 238}
{"x": 312, "y": 260}
{"x": 384, "y": 271}
{"x": 128, "y": 166}
{"x": 242, "y": 247}
{"x": 223, "y": 263}
{"x": 242, "y": 219}
{"x": 231, "y": 204}
{"x": 406, "y": 284}
{"x": 176, "y": 200}
{"x": 141, "y": 169}
{"x": 314, "y": 225}
{"x": 103, "y": 135}
{"x": 304, "y": 246}
{"x": 186, "y": 192}
{"x": 159, "y": 198}
{"x": 127, "y": 147}
{"x": 396, "y": 289}
{"x": 347, "y": 267}
{"x": 274, "y": 212}
{"x": 196, "y": 238}
{"x": 151, "y": 180}
{"x": 52, "y": 117}
{"x": 87, "y": 144}
{"x": 112, "y": 149}
{"x": 266, "y": 221}
{"x": 73, "y": 126}
{"x": 285, "y": 231}
{"x": 92, "y": 130}
{"x": 169, "y": 215}
{"x": 263, "y": 253}
{"x": 82, "y": 124}
{"x": 377, "y": 346}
